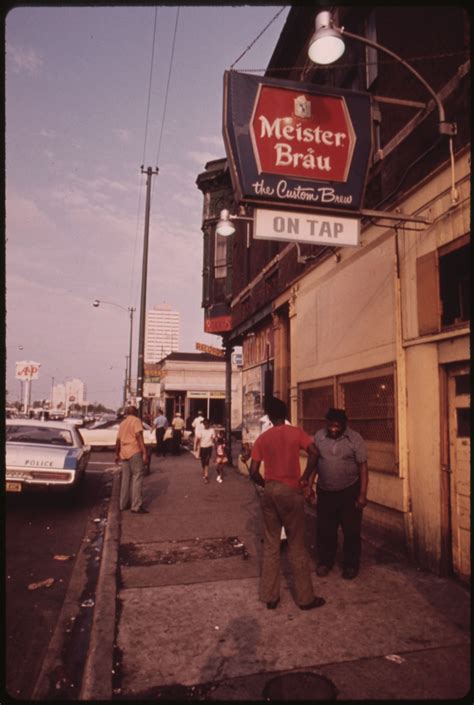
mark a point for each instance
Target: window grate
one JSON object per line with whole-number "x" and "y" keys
{"x": 315, "y": 402}
{"x": 370, "y": 407}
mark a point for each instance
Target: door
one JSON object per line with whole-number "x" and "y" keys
{"x": 459, "y": 398}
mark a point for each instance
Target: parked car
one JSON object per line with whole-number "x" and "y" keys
{"x": 44, "y": 454}
{"x": 103, "y": 434}
{"x": 76, "y": 418}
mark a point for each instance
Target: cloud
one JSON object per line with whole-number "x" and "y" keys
{"x": 24, "y": 60}
{"x": 202, "y": 158}
{"x": 50, "y": 134}
{"x": 122, "y": 135}
{"x": 216, "y": 141}
{"x": 188, "y": 200}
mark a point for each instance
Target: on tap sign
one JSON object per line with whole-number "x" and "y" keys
{"x": 27, "y": 370}
{"x": 296, "y": 143}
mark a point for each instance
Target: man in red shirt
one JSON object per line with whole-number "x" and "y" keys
{"x": 283, "y": 504}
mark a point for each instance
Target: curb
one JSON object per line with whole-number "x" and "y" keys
{"x": 98, "y": 670}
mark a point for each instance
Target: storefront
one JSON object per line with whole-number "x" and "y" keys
{"x": 257, "y": 379}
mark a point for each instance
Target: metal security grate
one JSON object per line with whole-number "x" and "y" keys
{"x": 314, "y": 405}
{"x": 370, "y": 407}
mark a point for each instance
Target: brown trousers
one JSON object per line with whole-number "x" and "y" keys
{"x": 284, "y": 506}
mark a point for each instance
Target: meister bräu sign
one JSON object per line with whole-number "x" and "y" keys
{"x": 296, "y": 143}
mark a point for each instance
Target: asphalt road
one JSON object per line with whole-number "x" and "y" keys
{"x": 40, "y": 528}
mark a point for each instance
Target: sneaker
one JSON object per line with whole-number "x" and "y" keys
{"x": 219, "y": 478}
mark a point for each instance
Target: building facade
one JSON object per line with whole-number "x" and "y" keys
{"x": 191, "y": 382}
{"x": 73, "y": 391}
{"x": 162, "y": 331}
{"x": 381, "y": 329}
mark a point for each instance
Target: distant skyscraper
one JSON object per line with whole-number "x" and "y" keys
{"x": 72, "y": 392}
{"x": 161, "y": 332}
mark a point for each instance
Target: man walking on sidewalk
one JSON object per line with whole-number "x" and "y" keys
{"x": 283, "y": 505}
{"x": 131, "y": 451}
{"x": 160, "y": 424}
{"x": 342, "y": 493}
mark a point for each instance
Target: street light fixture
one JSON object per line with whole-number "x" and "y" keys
{"x": 327, "y": 45}
{"x": 131, "y": 310}
{"x": 224, "y": 226}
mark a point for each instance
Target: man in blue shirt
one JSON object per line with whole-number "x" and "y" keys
{"x": 160, "y": 424}
{"x": 342, "y": 493}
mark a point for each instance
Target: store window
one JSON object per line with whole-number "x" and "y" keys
{"x": 369, "y": 400}
{"x": 454, "y": 282}
{"x": 314, "y": 403}
{"x": 443, "y": 283}
{"x": 370, "y": 406}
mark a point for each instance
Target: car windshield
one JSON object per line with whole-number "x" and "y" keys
{"x": 39, "y": 434}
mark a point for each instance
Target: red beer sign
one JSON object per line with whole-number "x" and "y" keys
{"x": 301, "y": 135}
{"x": 296, "y": 144}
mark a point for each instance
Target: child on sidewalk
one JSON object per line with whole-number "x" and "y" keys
{"x": 221, "y": 455}
{"x": 204, "y": 446}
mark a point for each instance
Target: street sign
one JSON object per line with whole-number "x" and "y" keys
{"x": 296, "y": 144}
{"x": 317, "y": 229}
{"x": 210, "y": 349}
{"x": 27, "y": 370}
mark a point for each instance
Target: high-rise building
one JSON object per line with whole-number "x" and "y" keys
{"x": 161, "y": 332}
{"x": 72, "y": 392}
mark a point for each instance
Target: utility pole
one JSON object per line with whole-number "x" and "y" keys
{"x": 228, "y": 398}
{"x": 129, "y": 382}
{"x": 141, "y": 336}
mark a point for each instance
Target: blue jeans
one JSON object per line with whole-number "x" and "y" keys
{"x": 132, "y": 481}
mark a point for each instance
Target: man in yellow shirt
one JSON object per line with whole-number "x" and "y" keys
{"x": 131, "y": 451}
{"x": 178, "y": 427}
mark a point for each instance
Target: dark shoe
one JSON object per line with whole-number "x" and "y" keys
{"x": 317, "y": 602}
{"x": 123, "y": 509}
{"x": 322, "y": 570}
{"x": 273, "y": 604}
{"x": 350, "y": 573}
{"x": 142, "y": 510}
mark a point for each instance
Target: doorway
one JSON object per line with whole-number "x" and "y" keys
{"x": 459, "y": 454}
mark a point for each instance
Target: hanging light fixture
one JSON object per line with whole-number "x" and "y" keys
{"x": 326, "y": 44}
{"x": 224, "y": 226}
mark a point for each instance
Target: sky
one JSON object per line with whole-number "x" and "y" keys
{"x": 89, "y": 99}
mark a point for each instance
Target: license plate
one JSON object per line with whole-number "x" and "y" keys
{"x": 13, "y": 487}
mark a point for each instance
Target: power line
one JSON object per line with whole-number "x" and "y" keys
{"x": 150, "y": 81}
{"x": 149, "y": 85}
{"x": 167, "y": 89}
{"x": 258, "y": 36}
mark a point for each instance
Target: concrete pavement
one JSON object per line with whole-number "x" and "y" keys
{"x": 187, "y": 622}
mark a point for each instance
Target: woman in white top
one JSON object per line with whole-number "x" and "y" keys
{"x": 204, "y": 444}
{"x": 197, "y": 425}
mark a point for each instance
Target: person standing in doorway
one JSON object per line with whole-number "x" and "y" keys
{"x": 160, "y": 424}
{"x": 283, "y": 505}
{"x": 178, "y": 426}
{"x": 131, "y": 452}
{"x": 197, "y": 425}
{"x": 205, "y": 444}
{"x": 341, "y": 493}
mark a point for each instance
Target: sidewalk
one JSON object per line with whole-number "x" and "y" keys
{"x": 189, "y": 625}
